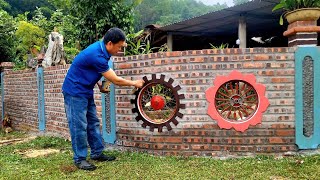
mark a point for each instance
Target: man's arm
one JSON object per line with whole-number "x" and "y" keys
{"x": 111, "y": 76}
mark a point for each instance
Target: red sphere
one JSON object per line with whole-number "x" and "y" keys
{"x": 157, "y": 102}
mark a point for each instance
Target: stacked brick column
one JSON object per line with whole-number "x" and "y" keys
{"x": 6, "y": 66}
{"x": 302, "y": 33}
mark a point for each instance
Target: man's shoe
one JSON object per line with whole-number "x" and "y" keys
{"x": 85, "y": 165}
{"x": 103, "y": 157}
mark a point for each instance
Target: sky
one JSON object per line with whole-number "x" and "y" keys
{"x": 211, "y": 2}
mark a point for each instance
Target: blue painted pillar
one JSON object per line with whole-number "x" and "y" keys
{"x": 41, "y": 102}
{"x": 2, "y": 94}
{"x": 109, "y": 113}
{"x": 312, "y": 141}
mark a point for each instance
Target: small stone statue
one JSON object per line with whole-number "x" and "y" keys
{"x": 55, "y": 52}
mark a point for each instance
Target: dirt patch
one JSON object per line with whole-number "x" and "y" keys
{"x": 66, "y": 169}
{"x": 16, "y": 141}
{"x": 32, "y": 153}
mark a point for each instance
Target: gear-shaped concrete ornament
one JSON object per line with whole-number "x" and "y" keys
{"x": 236, "y": 101}
{"x": 157, "y": 103}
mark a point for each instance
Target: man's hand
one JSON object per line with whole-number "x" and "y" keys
{"x": 138, "y": 83}
{"x": 104, "y": 87}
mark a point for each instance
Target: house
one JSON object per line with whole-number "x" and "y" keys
{"x": 226, "y": 26}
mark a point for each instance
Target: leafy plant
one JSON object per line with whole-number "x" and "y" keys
{"x": 163, "y": 48}
{"x": 161, "y": 90}
{"x": 22, "y": 17}
{"x": 157, "y": 89}
{"x": 70, "y": 53}
{"x": 137, "y": 44}
{"x": 290, "y": 5}
{"x": 222, "y": 46}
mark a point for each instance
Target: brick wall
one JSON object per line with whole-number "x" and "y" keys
{"x": 56, "y": 121}
{"x": 54, "y": 103}
{"x": 194, "y": 71}
{"x": 21, "y": 98}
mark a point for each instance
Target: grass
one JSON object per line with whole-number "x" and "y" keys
{"x": 13, "y": 165}
{"x": 12, "y": 135}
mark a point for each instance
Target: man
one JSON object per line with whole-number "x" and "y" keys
{"x": 86, "y": 70}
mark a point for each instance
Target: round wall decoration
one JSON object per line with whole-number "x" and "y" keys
{"x": 158, "y": 103}
{"x": 236, "y": 101}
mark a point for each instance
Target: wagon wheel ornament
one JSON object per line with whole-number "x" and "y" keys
{"x": 236, "y": 101}
{"x": 158, "y": 103}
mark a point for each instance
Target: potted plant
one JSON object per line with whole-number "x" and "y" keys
{"x": 299, "y": 10}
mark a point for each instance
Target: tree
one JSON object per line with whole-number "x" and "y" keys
{"x": 169, "y": 11}
{"x": 4, "y": 5}
{"x": 29, "y": 37}
{"x": 237, "y": 2}
{"x": 63, "y": 5}
{"x": 19, "y": 7}
{"x": 7, "y": 29}
{"x": 96, "y": 18}
{"x": 66, "y": 25}
{"x": 40, "y": 20}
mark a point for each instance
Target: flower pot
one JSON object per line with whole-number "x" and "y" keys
{"x": 303, "y": 14}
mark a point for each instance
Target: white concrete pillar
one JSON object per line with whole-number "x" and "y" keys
{"x": 242, "y": 32}
{"x": 170, "y": 42}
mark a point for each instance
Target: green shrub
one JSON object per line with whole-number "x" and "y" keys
{"x": 29, "y": 37}
{"x": 7, "y": 29}
{"x": 70, "y": 53}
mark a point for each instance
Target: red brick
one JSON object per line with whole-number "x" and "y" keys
{"x": 200, "y": 147}
{"x": 173, "y": 140}
{"x": 124, "y": 66}
{"x": 253, "y": 65}
{"x": 285, "y": 132}
{"x": 262, "y": 57}
{"x": 276, "y": 140}
{"x": 282, "y": 80}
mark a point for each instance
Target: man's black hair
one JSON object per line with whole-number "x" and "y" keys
{"x": 114, "y": 35}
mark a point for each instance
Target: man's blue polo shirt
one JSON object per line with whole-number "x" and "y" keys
{"x": 85, "y": 70}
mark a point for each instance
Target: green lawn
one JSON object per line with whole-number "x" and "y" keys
{"x": 13, "y": 165}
